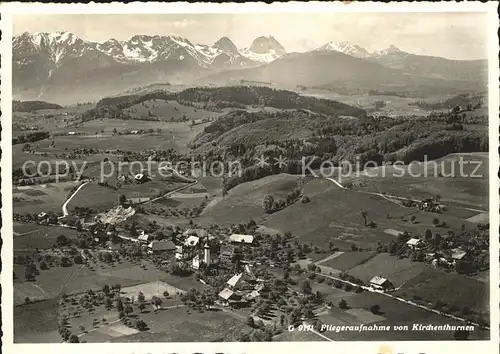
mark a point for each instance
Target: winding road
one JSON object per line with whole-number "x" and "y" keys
{"x": 188, "y": 180}
{"x": 65, "y": 205}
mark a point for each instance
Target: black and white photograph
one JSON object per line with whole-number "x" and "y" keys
{"x": 246, "y": 176}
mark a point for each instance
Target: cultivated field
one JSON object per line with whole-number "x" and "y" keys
{"x": 170, "y": 111}
{"x": 348, "y": 260}
{"x": 245, "y": 201}
{"x": 36, "y": 322}
{"x": 398, "y": 271}
{"x": 33, "y": 236}
{"x": 471, "y": 189}
{"x": 43, "y": 197}
{"x": 394, "y": 106}
{"x": 450, "y": 288}
{"x": 392, "y": 313}
{"x": 95, "y": 197}
{"x": 183, "y": 325}
{"x": 173, "y": 135}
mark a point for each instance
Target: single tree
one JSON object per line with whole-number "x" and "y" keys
{"x": 375, "y": 309}
{"x": 141, "y": 325}
{"x": 305, "y": 287}
{"x": 108, "y": 303}
{"x": 363, "y": 215}
{"x": 343, "y": 304}
{"x": 122, "y": 199}
{"x": 250, "y": 321}
{"x": 119, "y": 305}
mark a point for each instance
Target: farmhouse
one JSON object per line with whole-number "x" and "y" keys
{"x": 226, "y": 295}
{"x": 458, "y": 254}
{"x": 143, "y": 237}
{"x": 237, "y": 238}
{"x": 123, "y": 178}
{"x": 140, "y": 178}
{"x": 380, "y": 283}
{"x": 234, "y": 282}
{"x": 413, "y": 243}
{"x": 161, "y": 245}
{"x": 252, "y": 295}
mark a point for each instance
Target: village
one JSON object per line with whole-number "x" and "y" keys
{"x": 244, "y": 269}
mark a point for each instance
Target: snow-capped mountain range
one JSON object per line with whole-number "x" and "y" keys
{"x": 61, "y": 63}
{"x": 60, "y": 46}
{"x": 346, "y": 48}
{"x": 357, "y": 51}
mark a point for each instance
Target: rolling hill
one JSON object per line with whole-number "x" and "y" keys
{"x": 432, "y": 67}
{"x": 336, "y": 70}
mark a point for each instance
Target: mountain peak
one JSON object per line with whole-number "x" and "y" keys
{"x": 392, "y": 49}
{"x": 226, "y": 45}
{"x": 346, "y": 48}
{"x": 265, "y": 45}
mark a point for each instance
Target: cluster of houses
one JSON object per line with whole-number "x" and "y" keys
{"x": 242, "y": 288}
{"x": 429, "y": 205}
{"x": 445, "y": 259}
{"x": 137, "y": 178}
{"x": 196, "y": 246}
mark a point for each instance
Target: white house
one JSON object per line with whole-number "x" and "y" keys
{"x": 413, "y": 243}
{"x": 192, "y": 241}
{"x": 140, "y": 178}
{"x": 238, "y": 238}
{"x": 143, "y": 237}
{"x": 458, "y": 254}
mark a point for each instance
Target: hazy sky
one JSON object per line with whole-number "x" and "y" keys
{"x": 451, "y": 35}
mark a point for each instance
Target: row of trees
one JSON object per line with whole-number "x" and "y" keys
{"x": 271, "y": 205}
